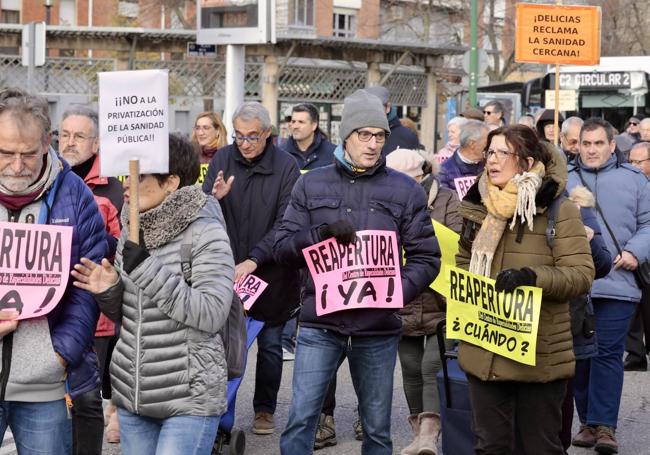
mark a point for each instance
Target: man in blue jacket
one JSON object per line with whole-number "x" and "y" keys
{"x": 44, "y": 357}
{"x": 307, "y": 143}
{"x": 357, "y": 192}
{"x": 467, "y": 160}
{"x": 623, "y": 194}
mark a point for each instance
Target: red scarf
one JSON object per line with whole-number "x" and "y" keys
{"x": 13, "y": 202}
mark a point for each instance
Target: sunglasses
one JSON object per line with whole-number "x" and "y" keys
{"x": 634, "y": 123}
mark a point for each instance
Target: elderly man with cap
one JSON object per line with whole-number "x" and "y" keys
{"x": 357, "y": 192}
{"x": 400, "y": 136}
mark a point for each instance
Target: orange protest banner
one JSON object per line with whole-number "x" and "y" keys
{"x": 557, "y": 34}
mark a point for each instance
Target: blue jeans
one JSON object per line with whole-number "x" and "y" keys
{"x": 372, "y": 363}
{"x": 599, "y": 380}
{"x": 38, "y": 428}
{"x": 269, "y": 368}
{"x": 189, "y": 435}
{"x": 289, "y": 334}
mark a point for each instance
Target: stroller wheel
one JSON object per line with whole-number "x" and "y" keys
{"x": 237, "y": 442}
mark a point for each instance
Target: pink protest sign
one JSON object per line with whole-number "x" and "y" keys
{"x": 249, "y": 289}
{"x": 34, "y": 267}
{"x": 463, "y": 184}
{"x": 442, "y": 156}
{"x": 363, "y": 274}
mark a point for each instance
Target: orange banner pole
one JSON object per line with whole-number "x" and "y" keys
{"x": 556, "y": 117}
{"x": 134, "y": 199}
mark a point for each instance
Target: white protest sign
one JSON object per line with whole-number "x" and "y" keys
{"x": 567, "y": 100}
{"x": 133, "y": 121}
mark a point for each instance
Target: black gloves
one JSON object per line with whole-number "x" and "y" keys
{"x": 509, "y": 279}
{"x": 133, "y": 254}
{"x": 341, "y": 230}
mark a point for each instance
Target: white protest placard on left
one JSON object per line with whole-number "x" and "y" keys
{"x": 133, "y": 121}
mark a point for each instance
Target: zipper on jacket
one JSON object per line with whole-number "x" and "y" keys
{"x": 137, "y": 353}
{"x": 7, "y": 348}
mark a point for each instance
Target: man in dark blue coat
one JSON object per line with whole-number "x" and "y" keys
{"x": 357, "y": 192}
{"x": 400, "y": 136}
{"x": 46, "y": 359}
{"x": 252, "y": 179}
{"x": 467, "y": 160}
{"x": 307, "y": 143}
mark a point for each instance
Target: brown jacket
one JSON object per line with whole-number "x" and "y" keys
{"x": 423, "y": 313}
{"x": 564, "y": 272}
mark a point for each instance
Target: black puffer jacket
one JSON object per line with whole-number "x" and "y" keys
{"x": 253, "y": 211}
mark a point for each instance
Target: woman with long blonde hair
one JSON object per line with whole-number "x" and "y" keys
{"x": 210, "y": 135}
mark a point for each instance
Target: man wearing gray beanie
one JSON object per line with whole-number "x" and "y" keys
{"x": 358, "y": 192}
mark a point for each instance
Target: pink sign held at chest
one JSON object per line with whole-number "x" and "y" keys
{"x": 249, "y": 289}
{"x": 34, "y": 267}
{"x": 363, "y": 274}
{"x": 463, "y": 184}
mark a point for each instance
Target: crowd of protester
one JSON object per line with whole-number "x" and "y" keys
{"x": 139, "y": 327}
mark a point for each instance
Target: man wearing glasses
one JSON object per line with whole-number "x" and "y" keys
{"x": 493, "y": 113}
{"x": 48, "y": 359}
{"x": 357, "y": 192}
{"x": 644, "y": 129}
{"x": 79, "y": 144}
{"x": 570, "y": 137}
{"x": 252, "y": 179}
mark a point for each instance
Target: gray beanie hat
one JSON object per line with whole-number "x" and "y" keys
{"x": 361, "y": 110}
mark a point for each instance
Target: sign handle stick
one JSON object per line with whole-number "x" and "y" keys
{"x": 134, "y": 198}
{"x": 556, "y": 108}
{"x": 556, "y": 116}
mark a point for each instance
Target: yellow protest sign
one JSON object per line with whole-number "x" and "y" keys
{"x": 503, "y": 323}
{"x": 557, "y": 34}
{"x": 448, "y": 241}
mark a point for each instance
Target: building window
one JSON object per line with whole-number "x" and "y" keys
{"x": 345, "y": 25}
{"x": 8, "y": 16}
{"x": 301, "y": 12}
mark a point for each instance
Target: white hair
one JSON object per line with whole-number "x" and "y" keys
{"x": 571, "y": 122}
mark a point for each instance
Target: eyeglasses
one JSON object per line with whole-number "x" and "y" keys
{"x": 365, "y": 136}
{"x": 24, "y": 157}
{"x": 252, "y": 140}
{"x": 635, "y": 162}
{"x": 77, "y": 138}
{"x": 634, "y": 123}
{"x": 500, "y": 154}
{"x": 203, "y": 128}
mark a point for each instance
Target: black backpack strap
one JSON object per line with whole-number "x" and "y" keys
{"x": 186, "y": 254}
{"x": 553, "y": 210}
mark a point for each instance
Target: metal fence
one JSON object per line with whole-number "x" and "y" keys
{"x": 61, "y": 75}
{"x": 195, "y": 79}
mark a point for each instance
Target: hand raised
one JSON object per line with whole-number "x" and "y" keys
{"x": 94, "y": 278}
{"x": 222, "y": 187}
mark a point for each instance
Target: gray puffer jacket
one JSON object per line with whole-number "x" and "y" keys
{"x": 169, "y": 359}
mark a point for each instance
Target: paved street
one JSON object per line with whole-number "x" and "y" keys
{"x": 633, "y": 423}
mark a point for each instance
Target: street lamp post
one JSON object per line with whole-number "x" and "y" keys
{"x": 48, "y": 10}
